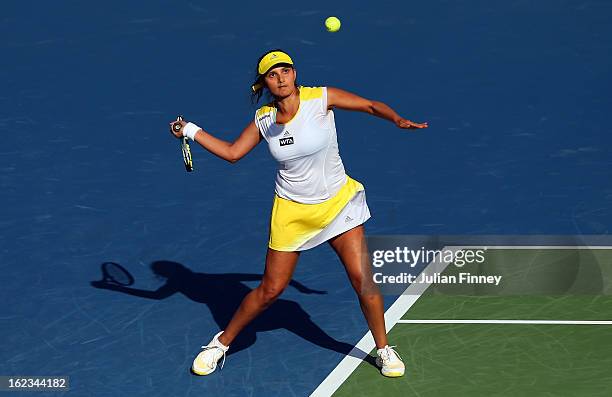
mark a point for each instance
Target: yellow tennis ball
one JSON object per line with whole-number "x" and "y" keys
{"x": 332, "y": 24}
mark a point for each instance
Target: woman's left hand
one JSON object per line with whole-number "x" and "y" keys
{"x": 407, "y": 124}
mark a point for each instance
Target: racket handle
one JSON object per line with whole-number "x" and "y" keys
{"x": 177, "y": 127}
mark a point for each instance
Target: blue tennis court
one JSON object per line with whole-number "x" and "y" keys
{"x": 516, "y": 94}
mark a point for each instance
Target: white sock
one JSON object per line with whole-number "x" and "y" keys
{"x": 216, "y": 342}
{"x": 379, "y": 351}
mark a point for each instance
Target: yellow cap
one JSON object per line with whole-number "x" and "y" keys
{"x": 271, "y": 59}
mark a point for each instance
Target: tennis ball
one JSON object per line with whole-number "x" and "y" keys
{"x": 332, "y": 24}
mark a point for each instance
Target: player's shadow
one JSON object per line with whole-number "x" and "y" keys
{"x": 223, "y": 293}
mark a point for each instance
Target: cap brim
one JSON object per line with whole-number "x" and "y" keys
{"x": 276, "y": 65}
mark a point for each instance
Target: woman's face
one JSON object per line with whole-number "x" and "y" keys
{"x": 281, "y": 81}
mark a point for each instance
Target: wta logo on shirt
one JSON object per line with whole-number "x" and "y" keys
{"x": 287, "y": 139}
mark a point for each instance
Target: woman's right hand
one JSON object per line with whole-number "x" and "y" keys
{"x": 177, "y": 134}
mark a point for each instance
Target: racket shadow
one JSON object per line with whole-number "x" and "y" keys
{"x": 224, "y": 292}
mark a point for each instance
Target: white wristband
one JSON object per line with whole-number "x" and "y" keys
{"x": 189, "y": 130}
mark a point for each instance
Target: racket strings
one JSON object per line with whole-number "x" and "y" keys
{"x": 116, "y": 274}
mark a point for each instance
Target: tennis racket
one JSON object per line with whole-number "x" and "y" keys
{"x": 113, "y": 273}
{"x": 185, "y": 148}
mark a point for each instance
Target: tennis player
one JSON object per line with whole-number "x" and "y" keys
{"x": 315, "y": 201}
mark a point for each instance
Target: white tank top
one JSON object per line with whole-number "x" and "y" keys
{"x": 306, "y": 148}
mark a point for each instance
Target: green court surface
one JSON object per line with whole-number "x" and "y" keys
{"x": 500, "y": 358}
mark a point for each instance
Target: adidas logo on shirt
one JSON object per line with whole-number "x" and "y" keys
{"x": 287, "y": 139}
{"x": 347, "y": 219}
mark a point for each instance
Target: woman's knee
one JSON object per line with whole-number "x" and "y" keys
{"x": 363, "y": 285}
{"x": 270, "y": 292}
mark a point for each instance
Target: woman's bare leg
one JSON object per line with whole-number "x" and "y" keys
{"x": 352, "y": 250}
{"x": 277, "y": 275}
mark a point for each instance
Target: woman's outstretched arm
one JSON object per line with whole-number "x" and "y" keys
{"x": 229, "y": 151}
{"x": 348, "y": 101}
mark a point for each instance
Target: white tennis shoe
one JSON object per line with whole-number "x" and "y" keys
{"x": 206, "y": 362}
{"x": 390, "y": 362}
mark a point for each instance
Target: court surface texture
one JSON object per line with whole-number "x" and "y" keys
{"x": 517, "y": 97}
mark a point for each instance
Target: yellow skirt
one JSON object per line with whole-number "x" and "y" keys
{"x": 297, "y": 227}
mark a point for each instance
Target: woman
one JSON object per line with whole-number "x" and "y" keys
{"x": 315, "y": 200}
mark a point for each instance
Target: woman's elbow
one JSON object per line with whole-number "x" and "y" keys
{"x": 232, "y": 156}
{"x": 370, "y": 107}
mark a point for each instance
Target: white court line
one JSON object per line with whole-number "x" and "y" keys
{"x": 553, "y": 322}
{"x": 536, "y": 247}
{"x": 397, "y": 310}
